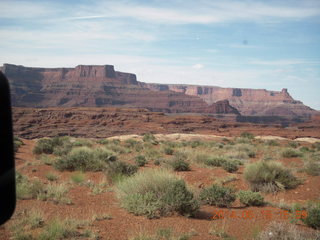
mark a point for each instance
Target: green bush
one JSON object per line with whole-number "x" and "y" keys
{"x": 179, "y": 165}
{"x": 131, "y": 143}
{"x": 26, "y": 189}
{"x": 77, "y": 177}
{"x": 269, "y": 176}
{"x": 156, "y": 193}
{"x": 168, "y": 150}
{"x": 215, "y": 161}
{"x": 291, "y": 153}
{"x": 313, "y": 218}
{"x": 247, "y": 135}
{"x": 104, "y": 155}
{"x": 82, "y": 143}
{"x": 217, "y": 195}
{"x": 140, "y": 160}
{"x": 17, "y": 143}
{"x": 85, "y": 159}
{"x": 293, "y": 144}
{"x": 44, "y": 145}
{"x": 312, "y": 167}
{"x": 250, "y": 198}
{"x": 272, "y": 143}
{"x": 149, "y": 137}
{"x": 230, "y": 166}
{"x": 117, "y": 170}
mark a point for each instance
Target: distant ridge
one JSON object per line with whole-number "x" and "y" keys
{"x": 102, "y": 86}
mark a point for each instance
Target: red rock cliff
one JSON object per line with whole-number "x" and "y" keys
{"x": 91, "y": 86}
{"x": 247, "y": 101}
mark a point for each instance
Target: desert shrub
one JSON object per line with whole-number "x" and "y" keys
{"x": 17, "y": 143}
{"x": 26, "y": 189}
{"x": 230, "y": 166}
{"x": 103, "y": 141}
{"x": 152, "y": 154}
{"x": 157, "y": 162}
{"x": 272, "y": 143}
{"x": 247, "y": 135}
{"x": 131, "y": 143}
{"x": 163, "y": 234}
{"x": 117, "y": 170}
{"x": 44, "y": 145}
{"x": 56, "y": 193}
{"x": 215, "y": 161}
{"x": 27, "y": 221}
{"x": 118, "y": 148}
{"x": 60, "y": 229}
{"x": 312, "y": 167}
{"x": 77, "y": 177}
{"x": 195, "y": 143}
{"x": 82, "y": 142}
{"x": 149, "y": 137}
{"x": 51, "y": 176}
{"x": 104, "y": 155}
{"x": 52, "y": 145}
{"x": 250, "y": 198}
{"x": 316, "y": 146}
{"x": 269, "y": 176}
{"x": 285, "y": 231}
{"x": 178, "y": 164}
{"x": 217, "y": 195}
{"x": 140, "y": 160}
{"x": 155, "y": 193}
{"x": 293, "y": 144}
{"x": 313, "y": 218}
{"x": 304, "y": 149}
{"x": 168, "y": 150}
{"x": 290, "y": 153}
{"x": 47, "y": 159}
{"x": 85, "y": 159}
{"x": 180, "y": 155}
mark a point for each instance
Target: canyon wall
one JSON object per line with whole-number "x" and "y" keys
{"x": 102, "y": 86}
{"x": 98, "y": 86}
{"x": 259, "y": 102}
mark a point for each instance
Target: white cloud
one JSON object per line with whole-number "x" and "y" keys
{"x": 197, "y": 66}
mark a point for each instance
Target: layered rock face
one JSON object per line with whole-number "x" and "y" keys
{"x": 98, "y": 86}
{"x": 257, "y": 102}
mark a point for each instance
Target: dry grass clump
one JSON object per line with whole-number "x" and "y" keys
{"x": 285, "y": 231}
{"x": 312, "y": 164}
{"x": 163, "y": 234}
{"x": 269, "y": 176}
{"x": 291, "y": 153}
{"x": 156, "y": 193}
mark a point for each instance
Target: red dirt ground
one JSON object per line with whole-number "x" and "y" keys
{"x": 124, "y": 225}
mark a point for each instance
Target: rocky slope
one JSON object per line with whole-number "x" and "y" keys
{"x": 97, "y": 86}
{"x": 106, "y": 122}
{"x": 258, "y": 102}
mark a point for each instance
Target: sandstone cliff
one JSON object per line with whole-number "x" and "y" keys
{"x": 98, "y": 86}
{"x": 258, "y": 102}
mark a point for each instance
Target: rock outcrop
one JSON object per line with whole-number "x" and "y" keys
{"x": 256, "y": 102}
{"x": 98, "y": 86}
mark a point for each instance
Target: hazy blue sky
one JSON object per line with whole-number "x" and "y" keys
{"x": 248, "y": 44}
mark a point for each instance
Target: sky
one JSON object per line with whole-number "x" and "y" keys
{"x": 244, "y": 44}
